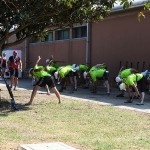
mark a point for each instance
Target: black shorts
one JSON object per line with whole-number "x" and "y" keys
{"x": 105, "y": 76}
{"x": 70, "y": 74}
{"x": 13, "y": 72}
{"x": 75, "y": 74}
{"x": 3, "y": 65}
{"x": 47, "y": 80}
{"x": 142, "y": 84}
{"x": 53, "y": 72}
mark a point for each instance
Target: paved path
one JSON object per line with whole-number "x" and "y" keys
{"x": 100, "y": 97}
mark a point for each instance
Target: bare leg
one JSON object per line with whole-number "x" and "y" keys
{"x": 35, "y": 89}
{"x": 54, "y": 89}
{"x": 11, "y": 80}
{"x": 94, "y": 87}
{"x": 72, "y": 84}
{"x": 142, "y": 97}
{"x": 15, "y": 82}
{"x": 107, "y": 86}
{"x": 47, "y": 89}
{"x": 63, "y": 82}
{"x": 75, "y": 82}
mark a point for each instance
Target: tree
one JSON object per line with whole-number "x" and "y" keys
{"x": 28, "y": 18}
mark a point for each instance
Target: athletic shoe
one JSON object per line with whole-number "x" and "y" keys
{"x": 140, "y": 103}
{"x": 128, "y": 101}
{"x": 108, "y": 94}
{"x": 120, "y": 95}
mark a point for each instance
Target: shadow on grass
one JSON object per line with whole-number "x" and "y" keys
{"x": 5, "y": 108}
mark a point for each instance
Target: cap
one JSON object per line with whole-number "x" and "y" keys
{"x": 30, "y": 71}
{"x": 15, "y": 52}
{"x": 74, "y": 65}
{"x": 118, "y": 79}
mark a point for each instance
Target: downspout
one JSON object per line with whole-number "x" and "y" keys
{"x": 26, "y": 53}
{"x": 88, "y": 45}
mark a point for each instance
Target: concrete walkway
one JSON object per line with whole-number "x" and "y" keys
{"x": 100, "y": 97}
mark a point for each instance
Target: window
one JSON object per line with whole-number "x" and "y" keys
{"x": 35, "y": 40}
{"x": 49, "y": 37}
{"x": 79, "y": 32}
{"x": 62, "y": 34}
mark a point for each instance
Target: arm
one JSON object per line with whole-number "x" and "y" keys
{"x": 129, "y": 92}
{"x": 98, "y": 65}
{"x": 20, "y": 65}
{"x": 50, "y": 60}
{"x": 36, "y": 64}
{"x": 136, "y": 90}
{"x": 121, "y": 69}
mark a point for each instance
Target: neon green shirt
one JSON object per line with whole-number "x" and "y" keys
{"x": 83, "y": 68}
{"x": 93, "y": 69}
{"x": 55, "y": 64}
{"x": 131, "y": 79}
{"x": 41, "y": 73}
{"x": 63, "y": 71}
{"x": 94, "y": 73}
{"x": 125, "y": 73}
{"x": 50, "y": 69}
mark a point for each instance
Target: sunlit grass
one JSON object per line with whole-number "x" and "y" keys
{"x": 84, "y": 125}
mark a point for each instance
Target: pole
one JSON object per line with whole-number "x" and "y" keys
{"x": 12, "y": 102}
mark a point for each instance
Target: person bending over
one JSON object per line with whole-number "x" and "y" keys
{"x": 44, "y": 78}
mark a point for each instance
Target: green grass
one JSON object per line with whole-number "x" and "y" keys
{"x": 83, "y": 125}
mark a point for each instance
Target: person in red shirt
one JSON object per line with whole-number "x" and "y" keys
{"x": 13, "y": 65}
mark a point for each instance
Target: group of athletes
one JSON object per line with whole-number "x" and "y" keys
{"x": 129, "y": 79}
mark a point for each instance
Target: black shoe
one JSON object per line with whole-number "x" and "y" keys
{"x": 85, "y": 87}
{"x": 108, "y": 94}
{"x": 129, "y": 101}
{"x": 141, "y": 103}
{"x": 75, "y": 89}
{"x": 135, "y": 97}
{"x": 61, "y": 90}
{"x": 120, "y": 95}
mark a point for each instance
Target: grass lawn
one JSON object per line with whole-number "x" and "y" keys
{"x": 83, "y": 125}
